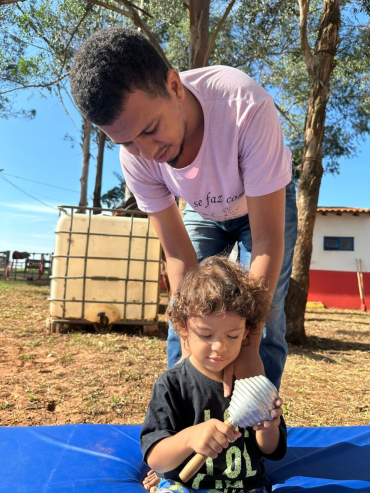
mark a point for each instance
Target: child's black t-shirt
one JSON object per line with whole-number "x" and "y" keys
{"x": 184, "y": 397}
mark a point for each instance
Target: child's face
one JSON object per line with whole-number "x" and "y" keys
{"x": 215, "y": 341}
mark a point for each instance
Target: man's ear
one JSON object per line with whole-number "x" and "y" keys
{"x": 174, "y": 85}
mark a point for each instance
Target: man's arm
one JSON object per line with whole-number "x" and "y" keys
{"x": 175, "y": 241}
{"x": 267, "y": 223}
{"x": 180, "y": 254}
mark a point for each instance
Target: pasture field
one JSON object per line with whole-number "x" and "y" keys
{"x": 84, "y": 377}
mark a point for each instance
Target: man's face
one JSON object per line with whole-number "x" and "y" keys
{"x": 151, "y": 127}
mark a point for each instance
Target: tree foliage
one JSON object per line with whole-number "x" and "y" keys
{"x": 267, "y": 34}
{"x": 38, "y": 40}
{"x": 114, "y": 197}
{"x": 263, "y": 40}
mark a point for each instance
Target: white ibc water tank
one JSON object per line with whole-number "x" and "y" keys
{"x": 107, "y": 264}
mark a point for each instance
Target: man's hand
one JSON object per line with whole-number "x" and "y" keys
{"x": 247, "y": 364}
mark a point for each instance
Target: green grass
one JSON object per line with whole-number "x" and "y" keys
{"x": 24, "y": 287}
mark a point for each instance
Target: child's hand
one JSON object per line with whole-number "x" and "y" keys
{"x": 211, "y": 437}
{"x": 275, "y": 414}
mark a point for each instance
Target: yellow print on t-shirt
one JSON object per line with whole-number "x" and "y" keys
{"x": 234, "y": 464}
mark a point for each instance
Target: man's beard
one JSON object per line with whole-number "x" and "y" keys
{"x": 174, "y": 161}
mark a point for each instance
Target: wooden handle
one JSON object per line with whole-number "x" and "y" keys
{"x": 192, "y": 467}
{"x": 194, "y": 464}
{"x": 360, "y": 286}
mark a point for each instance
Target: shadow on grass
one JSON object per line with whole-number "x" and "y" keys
{"x": 325, "y": 344}
{"x": 37, "y": 282}
{"x": 308, "y": 319}
{"x": 327, "y": 311}
{"x": 27, "y": 281}
{"x": 130, "y": 330}
{"x": 350, "y": 333}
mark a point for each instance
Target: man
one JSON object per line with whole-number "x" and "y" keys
{"x": 211, "y": 136}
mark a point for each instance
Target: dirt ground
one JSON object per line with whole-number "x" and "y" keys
{"x": 84, "y": 377}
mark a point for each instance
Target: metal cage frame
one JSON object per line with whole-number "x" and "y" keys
{"x": 150, "y": 326}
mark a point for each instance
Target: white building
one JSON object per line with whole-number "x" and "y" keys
{"x": 341, "y": 235}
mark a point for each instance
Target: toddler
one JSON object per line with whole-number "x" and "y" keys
{"x": 214, "y": 308}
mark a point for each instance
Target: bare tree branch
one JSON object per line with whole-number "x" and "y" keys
{"x": 139, "y": 22}
{"x": 284, "y": 114}
{"x": 216, "y": 31}
{"x": 4, "y": 2}
{"x": 46, "y": 84}
{"x": 304, "y": 6}
{"x": 13, "y": 36}
{"x": 88, "y": 9}
{"x": 62, "y": 103}
{"x": 115, "y": 9}
{"x": 189, "y": 4}
{"x": 139, "y": 8}
{"x": 110, "y": 7}
{"x": 35, "y": 28}
{"x": 261, "y": 54}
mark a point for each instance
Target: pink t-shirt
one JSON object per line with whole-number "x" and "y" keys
{"x": 242, "y": 153}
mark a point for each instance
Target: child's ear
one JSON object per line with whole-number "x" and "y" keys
{"x": 245, "y": 333}
{"x": 186, "y": 345}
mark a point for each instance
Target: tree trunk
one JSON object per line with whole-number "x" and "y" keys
{"x": 85, "y": 163}
{"x": 99, "y": 170}
{"x": 199, "y": 31}
{"x": 319, "y": 66}
{"x": 198, "y": 47}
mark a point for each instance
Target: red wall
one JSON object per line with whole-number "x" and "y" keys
{"x": 338, "y": 289}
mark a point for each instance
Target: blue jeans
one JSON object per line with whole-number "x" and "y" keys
{"x": 170, "y": 486}
{"x": 213, "y": 238}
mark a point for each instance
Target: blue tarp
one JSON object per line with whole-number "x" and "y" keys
{"x": 107, "y": 458}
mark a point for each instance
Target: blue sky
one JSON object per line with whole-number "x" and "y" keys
{"x": 36, "y": 150}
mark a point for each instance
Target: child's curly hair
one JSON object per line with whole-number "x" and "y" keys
{"x": 217, "y": 285}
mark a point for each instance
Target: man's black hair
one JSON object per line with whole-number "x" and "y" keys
{"x": 110, "y": 64}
